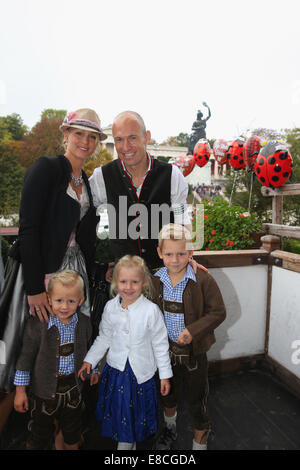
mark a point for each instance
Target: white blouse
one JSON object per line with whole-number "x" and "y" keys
{"x": 138, "y": 334}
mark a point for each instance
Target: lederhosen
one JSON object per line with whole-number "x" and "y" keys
{"x": 189, "y": 371}
{"x": 65, "y": 406}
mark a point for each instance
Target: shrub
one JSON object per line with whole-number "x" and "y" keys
{"x": 227, "y": 227}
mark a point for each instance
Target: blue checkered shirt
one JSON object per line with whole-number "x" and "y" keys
{"x": 174, "y": 322}
{"x": 66, "y": 364}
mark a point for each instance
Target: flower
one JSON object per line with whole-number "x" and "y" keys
{"x": 205, "y": 216}
{"x": 211, "y": 240}
{"x": 213, "y": 232}
{"x": 229, "y": 242}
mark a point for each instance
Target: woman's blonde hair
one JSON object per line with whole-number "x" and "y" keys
{"x": 175, "y": 232}
{"x": 132, "y": 261}
{"x": 67, "y": 277}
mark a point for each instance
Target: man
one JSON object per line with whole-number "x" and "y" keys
{"x": 142, "y": 193}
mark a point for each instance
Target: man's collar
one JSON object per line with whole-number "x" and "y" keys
{"x": 55, "y": 321}
{"x": 150, "y": 164}
{"x": 163, "y": 274}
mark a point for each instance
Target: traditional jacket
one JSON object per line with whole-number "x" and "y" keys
{"x": 204, "y": 309}
{"x": 40, "y": 353}
{"x": 48, "y": 215}
{"x": 144, "y": 221}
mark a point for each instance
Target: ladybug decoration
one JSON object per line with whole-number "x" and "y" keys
{"x": 235, "y": 154}
{"x": 202, "y": 152}
{"x": 185, "y": 163}
{"x": 220, "y": 148}
{"x": 251, "y": 149}
{"x": 273, "y": 166}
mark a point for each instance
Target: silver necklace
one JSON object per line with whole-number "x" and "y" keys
{"x": 77, "y": 181}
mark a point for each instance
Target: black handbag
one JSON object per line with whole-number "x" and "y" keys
{"x": 99, "y": 294}
{"x": 10, "y": 275}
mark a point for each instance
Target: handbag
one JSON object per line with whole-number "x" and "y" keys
{"x": 10, "y": 275}
{"x": 99, "y": 294}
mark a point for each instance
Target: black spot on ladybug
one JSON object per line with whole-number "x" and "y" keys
{"x": 286, "y": 174}
{"x": 262, "y": 179}
{"x": 241, "y": 162}
{"x": 283, "y": 156}
{"x": 258, "y": 170}
{"x": 261, "y": 161}
{"x": 275, "y": 179}
{"x": 277, "y": 168}
{"x": 235, "y": 157}
{"x": 272, "y": 160}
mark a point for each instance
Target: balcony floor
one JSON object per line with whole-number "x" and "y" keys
{"x": 250, "y": 410}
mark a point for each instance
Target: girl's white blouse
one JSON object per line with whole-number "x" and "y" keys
{"x": 138, "y": 334}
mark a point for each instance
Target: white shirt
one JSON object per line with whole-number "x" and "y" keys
{"x": 179, "y": 192}
{"x": 138, "y": 334}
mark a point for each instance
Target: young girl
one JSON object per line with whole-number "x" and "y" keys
{"x": 132, "y": 329}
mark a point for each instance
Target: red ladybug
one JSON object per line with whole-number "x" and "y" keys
{"x": 235, "y": 154}
{"x": 251, "y": 150}
{"x": 185, "y": 163}
{"x": 202, "y": 152}
{"x": 273, "y": 165}
{"x": 220, "y": 148}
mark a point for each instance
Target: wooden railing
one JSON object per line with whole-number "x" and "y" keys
{"x": 277, "y": 227}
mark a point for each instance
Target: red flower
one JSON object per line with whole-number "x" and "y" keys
{"x": 213, "y": 232}
{"x": 242, "y": 215}
{"x": 211, "y": 240}
{"x": 206, "y": 216}
{"x": 229, "y": 242}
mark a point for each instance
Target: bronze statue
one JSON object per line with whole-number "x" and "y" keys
{"x": 199, "y": 129}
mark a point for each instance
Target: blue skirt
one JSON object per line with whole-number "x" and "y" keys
{"x": 128, "y": 410}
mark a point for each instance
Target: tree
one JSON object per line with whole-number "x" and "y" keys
{"x": 102, "y": 156}
{"x": 15, "y": 126}
{"x": 181, "y": 140}
{"x": 45, "y": 138}
{"x": 11, "y": 180}
{"x": 5, "y": 135}
{"x": 53, "y": 113}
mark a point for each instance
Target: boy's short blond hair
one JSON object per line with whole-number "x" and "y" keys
{"x": 67, "y": 277}
{"x": 175, "y": 232}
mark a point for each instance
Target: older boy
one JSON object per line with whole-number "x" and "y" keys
{"x": 193, "y": 307}
{"x": 51, "y": 355}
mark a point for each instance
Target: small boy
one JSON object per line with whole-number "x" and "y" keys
{"x": 193, "y": 307}
{"x": 51, "y": 356}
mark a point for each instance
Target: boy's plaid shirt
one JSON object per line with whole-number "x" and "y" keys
{"x": 174, "y": 322}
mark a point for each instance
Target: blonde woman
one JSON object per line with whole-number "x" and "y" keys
{"x": 57, "y": 229}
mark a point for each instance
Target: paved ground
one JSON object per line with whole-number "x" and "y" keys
{"x": 249, "y": 410}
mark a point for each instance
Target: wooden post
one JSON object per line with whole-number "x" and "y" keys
{"x": 277, "y": 209}
{"x": 270, "y": 243}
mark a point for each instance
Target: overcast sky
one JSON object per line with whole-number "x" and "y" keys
{"x": 161, "y": 58}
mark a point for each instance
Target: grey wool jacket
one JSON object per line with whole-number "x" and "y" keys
{"x": 40, "y": 353}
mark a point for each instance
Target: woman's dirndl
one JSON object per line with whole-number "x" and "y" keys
{"x": 128, "y": 410}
